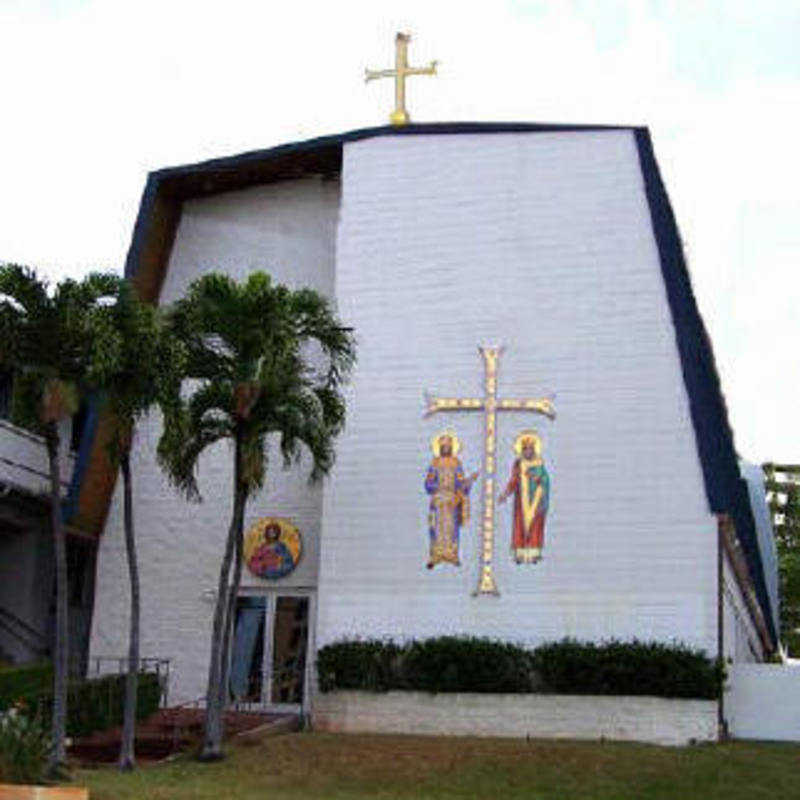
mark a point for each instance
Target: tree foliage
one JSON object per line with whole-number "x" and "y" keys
{"x": 782, "y": 483}
{"x": 247, "y": 351}
{"x": 134, "y": 363}
{"x": 45, "y": 340}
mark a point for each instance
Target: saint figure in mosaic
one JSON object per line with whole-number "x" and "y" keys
{"x": 448, "y": 510}
{"x": 272, "y": 547}
{"x": 530, "y": 485}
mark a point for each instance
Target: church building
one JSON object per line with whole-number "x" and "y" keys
{"x": 537, "y": 445}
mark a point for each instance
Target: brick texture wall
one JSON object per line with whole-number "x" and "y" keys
{"x": 287, "y": 230}
{"x": 542, "y": 243}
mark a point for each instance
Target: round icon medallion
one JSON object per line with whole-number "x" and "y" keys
{"x": 272, "y": 547}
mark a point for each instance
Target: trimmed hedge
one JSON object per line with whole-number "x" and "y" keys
{"x": 631, "y": 668}
{"x": 371, "y": 665}
{"x": 460, "y": 664}
{"x": 452, "y": 664}
{"x": 92, "y": 705}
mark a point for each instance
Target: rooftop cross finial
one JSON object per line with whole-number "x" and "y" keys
{"x": 401, "y": 70}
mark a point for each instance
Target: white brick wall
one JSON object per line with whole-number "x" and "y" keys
{"x": 541, "y": 242}
{"x": 640, "y": 719}
{"x": 287, "y": 230}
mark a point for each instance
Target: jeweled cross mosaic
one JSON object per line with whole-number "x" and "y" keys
{"x": 490, "y": 404}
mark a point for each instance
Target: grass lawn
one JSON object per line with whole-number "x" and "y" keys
{"x": 312, "y": 765}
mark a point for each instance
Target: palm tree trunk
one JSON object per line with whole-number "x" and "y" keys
{"x": 212, "y": 745}
{"x": 127, "y": 756}
{"x": 230, "y": 618}
{"x": 59, "y": 723}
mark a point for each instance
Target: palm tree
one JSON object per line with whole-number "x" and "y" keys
{"x": 45, "y": 340}
{"x": 133, "y": 365}
{"x": 248, "y": 350}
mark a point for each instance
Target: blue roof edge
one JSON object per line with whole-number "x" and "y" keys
{"x": 725, "y": 488}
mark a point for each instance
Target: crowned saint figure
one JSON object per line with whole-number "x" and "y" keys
{"x": 530, "y": 485}
{"x": 448, "y": 509}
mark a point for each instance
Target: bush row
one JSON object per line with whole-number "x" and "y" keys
{"x": 92, "y": 705}
{"x": 461, "y": 664}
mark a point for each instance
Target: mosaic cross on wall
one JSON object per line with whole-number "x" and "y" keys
{"x": 445, "y": 482}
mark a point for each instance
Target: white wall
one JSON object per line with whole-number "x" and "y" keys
{"x": 763, "y": 702}
{"x": 288, "y": 230}
{"x": 657, "y": 720}
{"x": 543, "y": 243}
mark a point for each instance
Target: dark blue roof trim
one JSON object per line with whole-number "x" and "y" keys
{"x": 70, "y": 505}
{"x": 320, "y": 143}
{"x": 725, "y": 489}
{"x": 184, "y": 182}
{"x": 143, "y": 220}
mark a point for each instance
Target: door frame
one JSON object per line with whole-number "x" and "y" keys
{"x": 271, "y": 596}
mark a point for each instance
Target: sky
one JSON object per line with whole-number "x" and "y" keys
{"x": 95, "y": 94}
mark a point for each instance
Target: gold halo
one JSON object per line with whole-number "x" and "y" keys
{"x": 290, "y": 536}
{"x": 449, "y": 433}
{"x": 523, "y": 436}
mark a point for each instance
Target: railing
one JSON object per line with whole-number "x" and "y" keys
{"x": 105, "y": 665}
{"x": 35, "y": 641}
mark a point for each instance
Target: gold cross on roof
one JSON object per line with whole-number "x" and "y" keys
{"x": 401, "y": 70}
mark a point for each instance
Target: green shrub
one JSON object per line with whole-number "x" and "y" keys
{"x": 370, "y": 665}
{"x": 23, "y": 685}
{"x": 92, "y": 705}
{"x": 629, "y": 668}
{"x": 24, "y": 747}
{"x": 98, "y": 704}
{"x": 460, "y": 664}
{"x": 455, "y": 664}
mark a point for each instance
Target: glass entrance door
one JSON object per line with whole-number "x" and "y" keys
{"x": 269, "y": 656}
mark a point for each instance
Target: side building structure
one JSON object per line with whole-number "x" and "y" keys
{"x": 27, "y": 574}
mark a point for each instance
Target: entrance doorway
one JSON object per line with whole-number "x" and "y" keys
{"x": 269, "y": 664}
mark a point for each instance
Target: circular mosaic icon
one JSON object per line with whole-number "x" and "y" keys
{"x": 272, "y": 547}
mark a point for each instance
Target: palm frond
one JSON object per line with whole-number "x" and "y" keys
{"x": 246, "y": 349}
{"x": 180, "y": 446}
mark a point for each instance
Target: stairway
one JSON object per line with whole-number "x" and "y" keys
{"x": 175, "y": 730}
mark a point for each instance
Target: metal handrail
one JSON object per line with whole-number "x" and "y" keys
{"x": 146, "y": 664}
{"x": 37, "y": 641}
